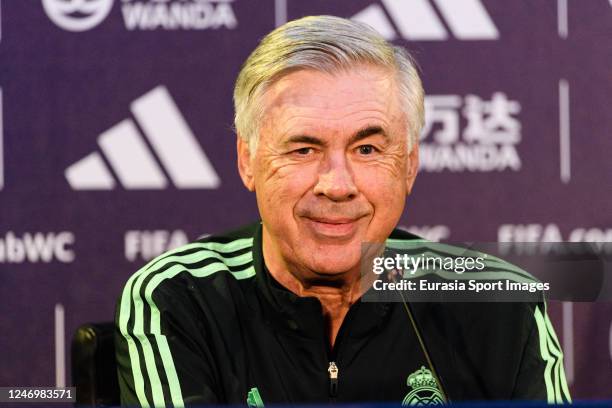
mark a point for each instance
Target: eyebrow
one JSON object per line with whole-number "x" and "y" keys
{"x": 359, "y": 135}
{"x": 366, "y": 132}
{"x": 304, "y": 139}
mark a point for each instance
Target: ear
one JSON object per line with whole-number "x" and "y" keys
{"x": 413, "y": 167}
{"x": 245, "y": 167}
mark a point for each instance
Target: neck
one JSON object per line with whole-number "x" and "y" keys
{"x": 336, "y": 292}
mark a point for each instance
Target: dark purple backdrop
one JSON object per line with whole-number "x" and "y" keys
{"x": 517, "y": 147}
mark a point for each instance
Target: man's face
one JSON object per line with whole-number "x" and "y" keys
{"x": 331, "y": 169}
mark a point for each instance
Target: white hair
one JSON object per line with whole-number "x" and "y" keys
{"x": 327, "y": 44}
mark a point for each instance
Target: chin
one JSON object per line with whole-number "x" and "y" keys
{"x": 335, "y": 262}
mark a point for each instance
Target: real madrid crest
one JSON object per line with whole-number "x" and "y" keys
{"x": 424, "y": 389}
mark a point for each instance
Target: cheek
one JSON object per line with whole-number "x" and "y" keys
{"x": 281, "y": 185}
{"x": 385, "y": 189}
{"x": 382, "y": 179}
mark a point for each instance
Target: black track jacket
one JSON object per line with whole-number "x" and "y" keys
{"x": 207, "y": 323}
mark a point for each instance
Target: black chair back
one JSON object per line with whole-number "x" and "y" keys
{"x": 94, "y": 370}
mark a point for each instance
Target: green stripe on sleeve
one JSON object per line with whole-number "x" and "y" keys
{"x": 124, "y": 316}
{"x": 136, "y": 282}
{"x": 166, "y": 356}
{"x": 560, "y": 368}
{"x": 543, "y": 338}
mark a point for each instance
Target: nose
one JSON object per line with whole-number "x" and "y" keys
{"x": 335, "y": 179}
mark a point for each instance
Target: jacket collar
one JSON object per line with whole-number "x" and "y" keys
{"x": 303, "y": 315}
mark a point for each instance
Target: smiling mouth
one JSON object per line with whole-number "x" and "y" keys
{"x": 332, "y": 227}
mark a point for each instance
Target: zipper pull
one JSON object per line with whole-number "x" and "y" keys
{"x": 333, "y": 379}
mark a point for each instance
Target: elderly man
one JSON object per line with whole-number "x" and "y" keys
{"x": 328, "y": 116}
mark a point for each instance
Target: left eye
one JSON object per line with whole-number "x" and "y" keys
{"x": 304, "y": 151}
{"x": 366, "y": 149}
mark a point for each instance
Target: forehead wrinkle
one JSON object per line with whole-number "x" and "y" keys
{"x": 292, "y": 113}
{"x": 313, "y": 125}
{"x": 300, "y": 104}
{"x": 317, "y": 127}
{"x": 339, "y": 110}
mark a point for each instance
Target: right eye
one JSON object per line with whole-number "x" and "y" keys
{"x": 304, "y": 151}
